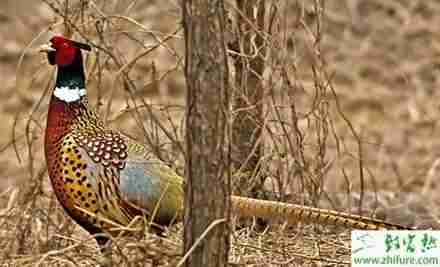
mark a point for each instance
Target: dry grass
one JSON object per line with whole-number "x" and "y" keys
{"x": 356, "y": 91}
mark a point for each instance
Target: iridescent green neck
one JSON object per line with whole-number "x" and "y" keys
{"x": 70, "y": 85}
{"x": 70, "y": 78}
{"x": 72, "y": 75}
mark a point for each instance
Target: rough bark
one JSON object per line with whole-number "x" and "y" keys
{"x": 207, "y": 188}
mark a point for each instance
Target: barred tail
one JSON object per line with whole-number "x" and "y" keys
{"x": 248, "y": 207}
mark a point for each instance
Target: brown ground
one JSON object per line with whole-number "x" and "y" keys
{"x": 385, "y": 59}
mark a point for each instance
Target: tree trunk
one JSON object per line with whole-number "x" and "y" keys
{"x": 248, "y": 95}
{"x": 207, "y": 188}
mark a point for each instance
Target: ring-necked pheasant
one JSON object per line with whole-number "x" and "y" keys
{"x": 99, "y": 176}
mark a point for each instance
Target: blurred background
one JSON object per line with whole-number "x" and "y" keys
{"x": 381, "y": 57}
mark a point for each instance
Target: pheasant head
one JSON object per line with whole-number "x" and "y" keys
{"x": 62, "y": 51}
{"x": 66, "y": 54}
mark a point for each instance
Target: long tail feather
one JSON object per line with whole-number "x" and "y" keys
{"x": 248, "y": 207}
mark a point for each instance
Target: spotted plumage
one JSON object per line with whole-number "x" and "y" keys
{"x": 103, "y": 179}
{"x": 86, "y": 160}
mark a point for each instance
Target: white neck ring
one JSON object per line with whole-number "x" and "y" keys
{"x": 68, "y": 94}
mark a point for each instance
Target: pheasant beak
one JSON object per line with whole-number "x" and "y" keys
{"x": 46, "y": 48}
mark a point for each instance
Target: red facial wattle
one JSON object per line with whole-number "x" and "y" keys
{"x": 65, "y": 51}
